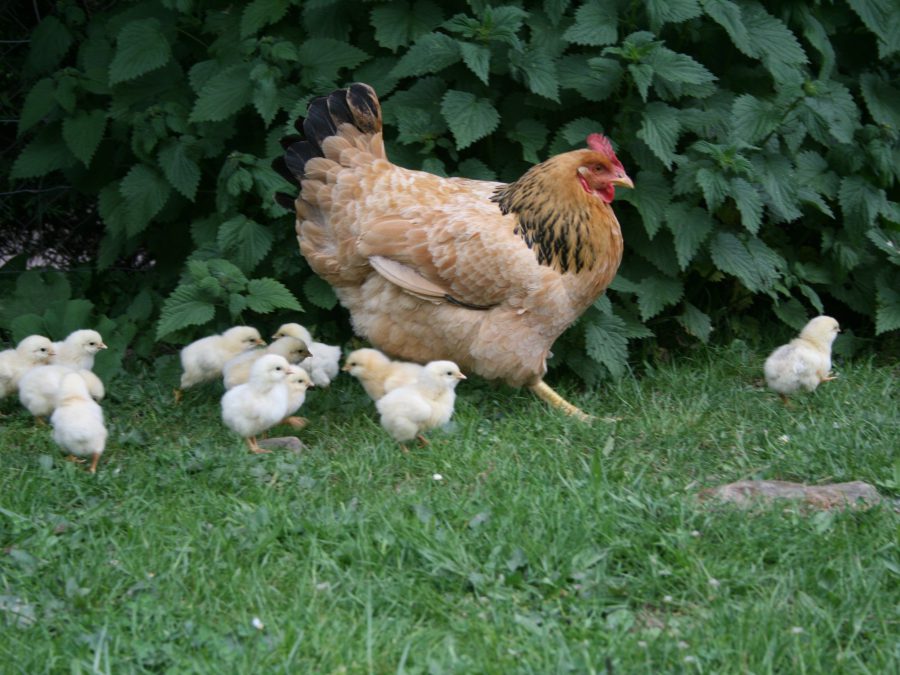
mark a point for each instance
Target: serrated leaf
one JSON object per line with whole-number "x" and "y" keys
{"x": 145, "y": 193}
{"x": 678, "y": 68}
{"x": 39, "y": 101}
{"x": 887, "y": 308}
{"x": 835, "y": 106}
{"x": 179, "y": 169}
{"x": 749, "y": 203}
{"x": 661, "y": 12}
{"x": 532, "y": 136}
{"x": 792, "y": 312}
{"x": 595, "y": 24}
{"x": 690, "y": 226}
{"x": 607, "y": 344}
{"x": 714, "y": 186}
{"x": 778, "y": 179}
{"x": 659, "y": 130}
{"x": 696, "y": 322}
{"x": 265, "y": 295}
{"x": 247, "y": 241}
{"x": 539, "y": 71}
{"x": 141, "y": 47}
{"x": 772, "y": 41}
{"x": 49, "y": 43}
{"x": 113, "y": 210}
{"x": 319, "y": 292}
{"x": 430, "y": 53}
{"x": 396, "y": 24}
{"x": 656, "y": 293}
{"x": 83, "y": 132}
{"x": 469, "y": 118}
{"x": 326, "y": 57}
{"x": 45, "y": 153}
{"x": 861, "y": 202}
{"x": 728, "y": 15}
{"x": 477, "y": 58}
{"x": 266, "y": 99}
{"x": 223, "y": 94}
{"x": 476, "y": 169}
{"x": 642, "y": 75}
{"x": 184, "y": 307}
{"x": 651, "y": 199}
{"x": 754, "y": 118}
{"x": 554, "y": 9}
{"x": 574, "y": 134}
{"x": 259, "y": 13}
{"x": 755, "y": 265}
{"x": 595, "y": 79}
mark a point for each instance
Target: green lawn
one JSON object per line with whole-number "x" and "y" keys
{"x": 546, "y": 546}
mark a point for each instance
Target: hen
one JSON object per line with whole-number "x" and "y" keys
{"x": 805, "y": 361}
{"x": 482, "y": 273}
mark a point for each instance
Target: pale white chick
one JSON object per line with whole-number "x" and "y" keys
{"x": 298, "y": 383}
{"x": 259, "y": 404}
{"x": 78, "y": 349}
{"x": 805, "y": 361}
{"x": 35, "y": 350}
{"x": 324, "y": 360}
{"x": 237, "y": 370}
{"x": 428, "y": 403}
{"x": 78, "y": 420}
{"x": 203, "y": 359}
{"x": 377, "y": 373}
{"x": 39, "y": 387}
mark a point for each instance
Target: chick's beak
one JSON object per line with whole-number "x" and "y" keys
{"x": 461, "y": 377}
{"x": 261, "y": 342}
{"x": 622, "y": 179}
{"x": 103, "y": 346}
{"x": 345, "y": 368}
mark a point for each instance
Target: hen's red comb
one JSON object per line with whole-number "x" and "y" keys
{"x": 600, "y": 143}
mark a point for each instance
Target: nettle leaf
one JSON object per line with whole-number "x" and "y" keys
{"x": 180, "y": 170}
{"x": 327, "y": 56}
{"x": 595, "y": 78}
{"x": 45, "y": 153}
{"x": 247, "y": 241}
{"x": 880, "y": 17}
{"x": 772, "y": 41}
{"x": 749, "y": 203}
{"x": 661, "y": 12}
{"x": 695, "y": 322}
{"x": 651, "y": 199}
{"x": 430, "y": 53}
{"x": 532, "y": 136}
{"x": 49, "y": 43}
{"x": 319, "y": 292}
{"x": 41, "y": 99}
{"x": 606, "y": 342}
{"x": 678, "y": 68}
{"x": 753, "y": 118}
{"x": 398, "y": 23}
{"x": 861, "y": 202}
{"x": 642, "y": 74}
{"x": 469, "y": 118}
{"x": 728, "y": 15}
{"x": 690, "y": 227}
{"x": 755, "y": 265}
{"x": 887, "y": 307}
{"x": 655, "y": 293}
{"x": 659, "y": 130}
{"x": 223, "y": 94}
{"x": 792, "y": 312}
{"x": 265, "y": 295}
{"x": 476, "y": 169}
{"x": 185, "y": 307}
{"x": 539, "y": 71}
{"x": 113, "y": 209}
{"x": 779, "y": 182}
{"x": 477, "y": 58}
{"x": 714, "y": 186}
{"x": 835, "y": 106}
{"x": 141, "y": 47}
{"x": 595, "y": 24}
{"x": 145, "y": 193}
{"x": 259, "y": 13}
{"x": 83, "y": 132}
{"x": 882, "y": 100}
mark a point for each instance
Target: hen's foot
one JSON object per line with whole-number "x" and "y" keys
{"x": 545, "y": 391}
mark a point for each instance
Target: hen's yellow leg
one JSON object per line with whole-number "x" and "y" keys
{"x": 545, "y": 391}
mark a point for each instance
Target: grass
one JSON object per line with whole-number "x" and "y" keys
{"x": 546, "y": 546}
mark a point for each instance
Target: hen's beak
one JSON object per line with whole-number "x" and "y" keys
{"x": 621, "y": 178}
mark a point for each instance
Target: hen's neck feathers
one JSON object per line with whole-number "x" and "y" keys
{"x": 566, "y": 228}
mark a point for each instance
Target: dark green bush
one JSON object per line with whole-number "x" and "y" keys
{"x": 762, "y": 137}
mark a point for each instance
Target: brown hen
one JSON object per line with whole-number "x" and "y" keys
{"x": 481, "y": 273}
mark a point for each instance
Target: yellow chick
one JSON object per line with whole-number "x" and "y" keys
{"x": 78, "y": 421}
{"x": 428, "y": 403}
{"x": 35, "y": 350}
{"x": 203, "y": 359}
{"x": 260, "y": 403}
{"x": 78, "y": 349}
{"x": 323, "y": 362}
{"x": 39, "y": 387}
{"x": 298, "y": 383}
{"x": 237, "y": 370}
{"x": 805, "y": 361}
{"x": 377, "y": 373}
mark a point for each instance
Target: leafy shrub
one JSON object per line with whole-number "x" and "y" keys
{"x": 762, "y": 137}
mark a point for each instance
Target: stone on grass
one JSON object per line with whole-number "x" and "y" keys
{"x": 856, "y": 494}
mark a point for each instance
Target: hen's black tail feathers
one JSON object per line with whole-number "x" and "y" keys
{"x": 357, "y": 105}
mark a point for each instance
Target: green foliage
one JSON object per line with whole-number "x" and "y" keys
{"x": 763, "y": 140}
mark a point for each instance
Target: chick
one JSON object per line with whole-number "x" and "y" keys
{"x": 203, "y": 359}
{"x": 262, "y": 402}
{"x": 78, "y": 421}
{"x": 35, "y": 350}
{"x": 377, "y": 373}
{"x": 78, "y": 349}
{"x": 409, "y": 410}
{"x": 237, "y": 370}
{"x": 298, "y": 383}
{"x": 805, "y": 361}
{"x": 39, "y": 387}
{"x": 323, "y": 362}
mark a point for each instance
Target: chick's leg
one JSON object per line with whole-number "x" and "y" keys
{"x": 296, "y": 422}
{"x": 95, "y": 459}
{"x": 544, "y": 391}
{"x": 254, "y": 447}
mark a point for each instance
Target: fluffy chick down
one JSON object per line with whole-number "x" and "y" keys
{"x": 805, "y": 361}
{"x": 78, "y": 425}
